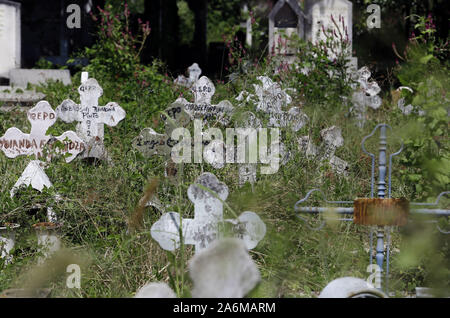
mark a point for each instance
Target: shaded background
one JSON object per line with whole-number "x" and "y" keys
{"x": 187, "y": 31}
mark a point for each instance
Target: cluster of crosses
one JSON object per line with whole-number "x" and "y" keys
{"x": 87, "y": 141}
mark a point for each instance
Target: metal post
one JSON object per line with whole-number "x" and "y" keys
{"x": 381, "y": 194}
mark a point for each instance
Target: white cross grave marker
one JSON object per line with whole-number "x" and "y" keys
{"x": 91, "y": 117}
{"x": 272, "y": 99}
{"x": 16, "y": 143}
{"x": 194, "y": 73}
{"x": 208, "y": 215}
{"x": 332, "y": 139}
{"x": 203, "y": 90}
{"x": 366, "y": 95}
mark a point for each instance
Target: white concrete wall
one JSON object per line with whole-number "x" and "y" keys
{"x": 10, "y": 41}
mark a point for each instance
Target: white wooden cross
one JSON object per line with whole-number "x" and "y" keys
{"x": 203, "y": 91}
{"x": 332, "y": 139}
{"x": 204, "y": 228}
{"x": 91, "y": 117}
{"x": 16, "y": 143}
{"x": 194, "y": 73}
{"x": 271, "y": 99}
{"x": 151, "y": 143}
{"x": 365, "y": 95}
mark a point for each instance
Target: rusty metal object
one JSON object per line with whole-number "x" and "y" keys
{"x": 382, "y": 212}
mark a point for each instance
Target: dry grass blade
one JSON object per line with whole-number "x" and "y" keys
{"x": 136, "y": 220}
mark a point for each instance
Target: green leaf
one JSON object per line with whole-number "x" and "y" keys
{"x": 426, "y": 59}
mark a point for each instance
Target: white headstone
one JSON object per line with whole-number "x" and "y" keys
{"x": 223, "y": 270}
{"x": 10, "y": 37}
{"x": 208, "y": 215}
{"x": 91, "y": 117}
{"x": 329, "y": 15}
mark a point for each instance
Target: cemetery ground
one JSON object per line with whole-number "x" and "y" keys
{"x": 107, "y": 230}
{"x": 102, "y": 204}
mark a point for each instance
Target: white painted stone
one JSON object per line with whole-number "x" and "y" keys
{"x": 223, "y": 270}
{"x": 10, "y": 37}
{"x": 91, "y": 117}
{"x": 208, "y": 216}
{"x": 155, "y": 290}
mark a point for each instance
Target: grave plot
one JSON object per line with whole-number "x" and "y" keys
{"x": 203, "y": 91}
{"x": 208, "y": 195}
{"x": 331, "y": 140}
{"x": 270, "y": 99}
{"x": 91, "y": 117}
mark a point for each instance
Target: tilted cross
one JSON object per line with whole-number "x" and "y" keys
{"x": 194, "y": 73}
{"x": 272, "y": 99}
{"x": 151, "y": 143}
{"x": 381, "y": 212}
{"x": 203, "y": 90}
{"x": 91, "y": 117}
{"x": 204, "y": 228}
{"x": 332, "y": 139}
{"x": 16, "y": 143}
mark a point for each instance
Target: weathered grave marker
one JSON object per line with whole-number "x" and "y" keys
{"x": 151, "y": 143}
{"x": 194, "y": 72}
{"x": 247, "y": 171}
{"x": 332, "y": 139}
{"x": 271, "y": 99}
{"x": 91, "y": 117}
{"x": 333, "y": 18}
{"x": 366, "y": 95}
{"x": 223, "y": 270}
{"x": 16, "y": 143}
{"x": 203, "y": 90}
{"x": 285, "y": 19}
{"x": 204, "y": 228}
